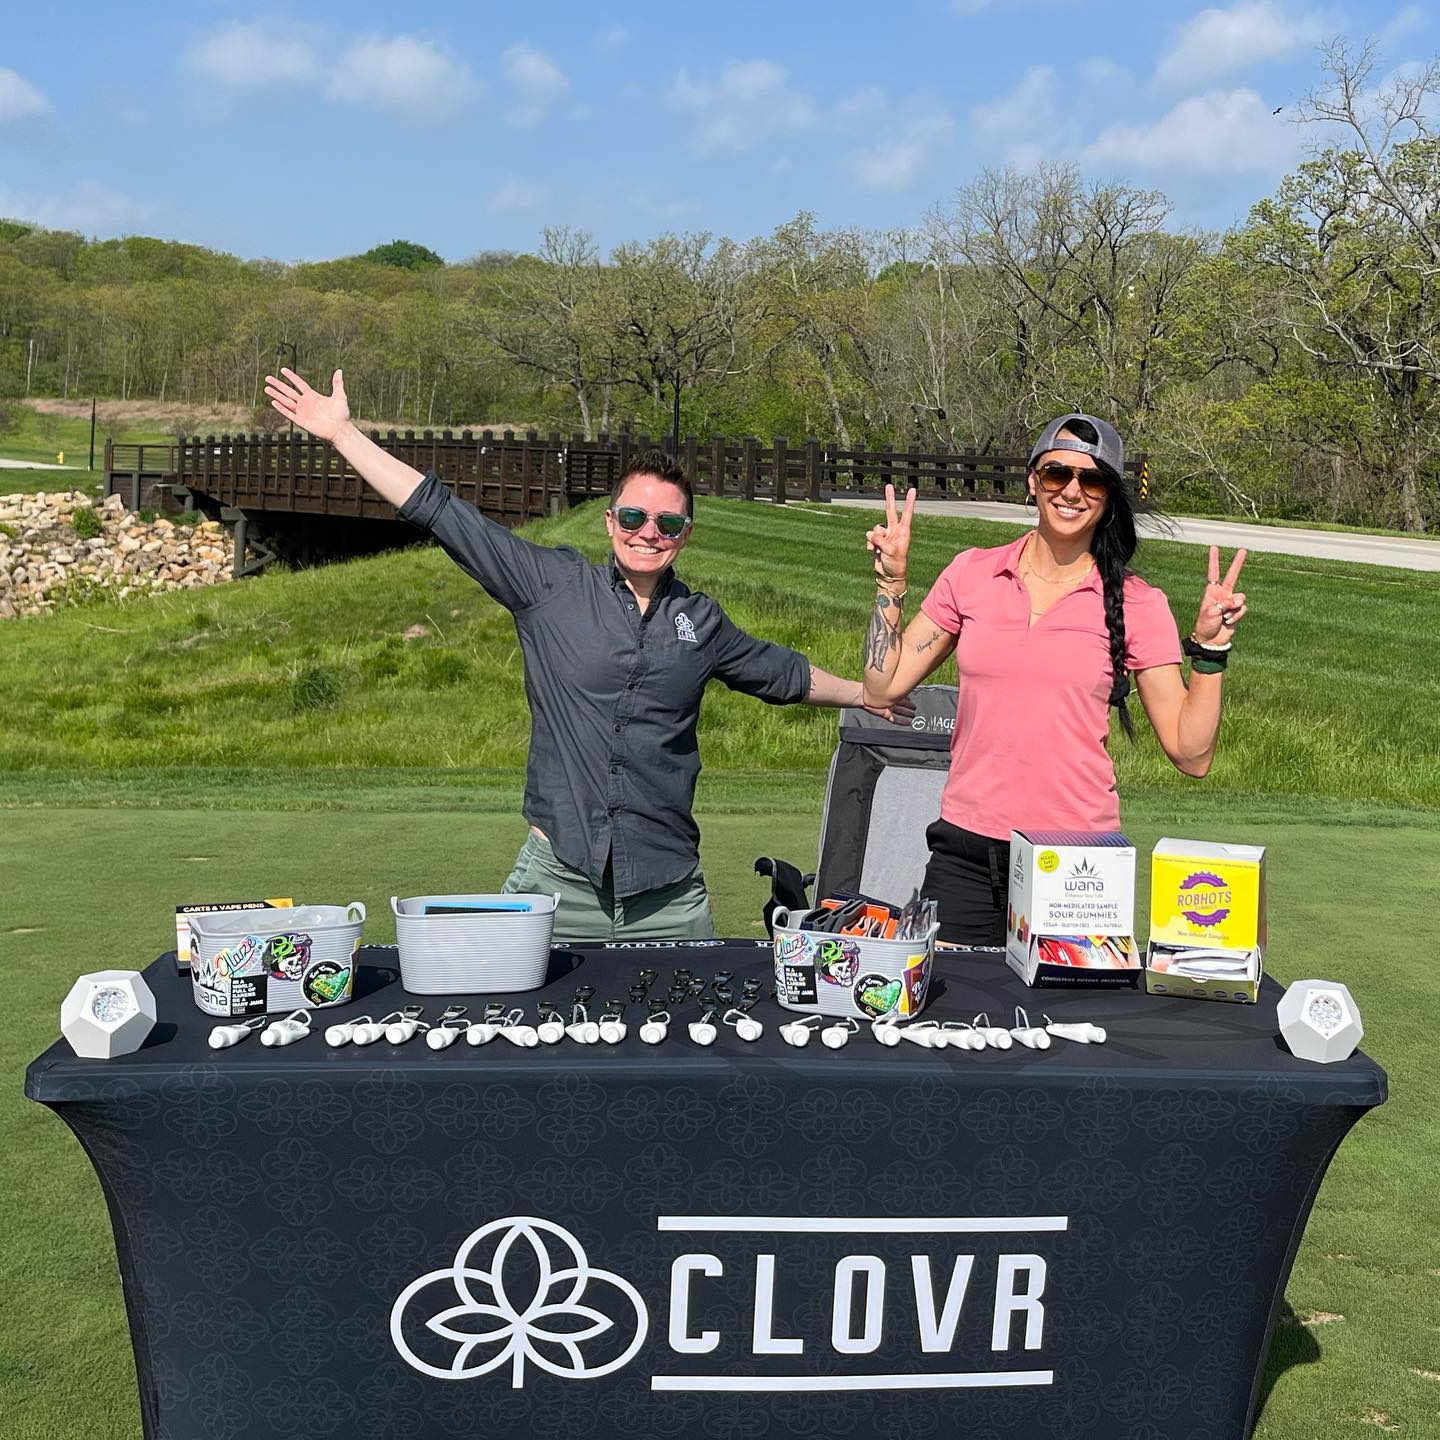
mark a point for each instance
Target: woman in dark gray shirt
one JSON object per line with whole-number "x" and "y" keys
{"x": 617, "y": 657}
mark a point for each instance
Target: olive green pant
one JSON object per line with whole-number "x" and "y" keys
{"x": 594, "y": 912}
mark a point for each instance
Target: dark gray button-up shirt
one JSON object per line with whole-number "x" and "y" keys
{"x": 614, "y": 694}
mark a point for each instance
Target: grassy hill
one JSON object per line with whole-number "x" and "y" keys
{"x": 1330, "y": 695}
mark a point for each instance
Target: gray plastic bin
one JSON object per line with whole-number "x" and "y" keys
{"x": 478, "y": 951}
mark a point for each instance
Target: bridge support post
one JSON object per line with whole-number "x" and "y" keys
{"x": 240, "y": 523}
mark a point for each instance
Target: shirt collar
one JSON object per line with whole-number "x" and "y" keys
{"x": 1007, "y": 562}
{"x": 617, "y": 580}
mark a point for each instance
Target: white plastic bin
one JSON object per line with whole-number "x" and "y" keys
{"x": 485, "y": 946}
{"x": 819, "y": 973}
{"x": 246, "y": 962}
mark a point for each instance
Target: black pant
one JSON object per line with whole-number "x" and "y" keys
{"x": 969, "y": 879}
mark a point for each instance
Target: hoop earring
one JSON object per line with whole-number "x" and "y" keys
{"x": 1030, "y": 500}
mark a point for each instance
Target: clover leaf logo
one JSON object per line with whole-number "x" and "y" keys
{"x": 526, "y": 1293}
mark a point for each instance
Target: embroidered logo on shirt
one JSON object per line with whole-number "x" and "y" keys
{"x": 684, "y": 630}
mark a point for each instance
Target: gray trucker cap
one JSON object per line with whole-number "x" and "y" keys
{"x": 1110, "y": 452}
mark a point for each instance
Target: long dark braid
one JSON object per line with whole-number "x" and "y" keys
{"x": 1112, "y": 545}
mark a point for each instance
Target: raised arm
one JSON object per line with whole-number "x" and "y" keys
{"x": 1186, "y": 718}
{"x": 327, "y": 417}
{"x": 897, "y": 660}
{"x": 513, "y": 571}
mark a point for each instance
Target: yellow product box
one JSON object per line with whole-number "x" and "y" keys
{"x": 1207, "y": 920}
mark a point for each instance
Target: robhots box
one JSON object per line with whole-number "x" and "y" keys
{"x": 1071, "y": 918}
{"x": 1207, "y": 920}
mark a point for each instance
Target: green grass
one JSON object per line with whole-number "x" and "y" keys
{"x": 1369, "y": 1255}
{"x": 30, "y": 482}
{"x": 281, "y": 736}
{"x": 1329, "y": 695}
{"x": 29, "y": 435}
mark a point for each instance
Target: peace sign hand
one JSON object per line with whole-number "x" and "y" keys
{"x": 890, "y": 542}
{"x": 321, "y": 415}
{"x": 1223, "y": 607}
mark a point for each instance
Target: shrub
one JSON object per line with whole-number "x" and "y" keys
{"x": 146, "y": 515}
{"x": 80, "y": 592}
{"x": 314, "y": 688}
{"x": 86, "y": 523}
{"x": 440, "y": 669}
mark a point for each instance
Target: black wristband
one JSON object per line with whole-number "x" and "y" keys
{"x": 1203, "y": 660}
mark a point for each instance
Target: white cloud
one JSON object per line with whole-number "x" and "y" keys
{"x": 1220, "y": 133}
{"x": 898, "y": 162}
{"x": 406, "y": 76}
{"x": 751, "y": 100}
{"x": 538, "y": 79}
{"x": 516, "y": 197}
{"x": 1217, "y": 43}
{"x": 236, "y": 56}
{"x": 1402, "y": 23}
{"x": 19, "y": 99}
{"x": 611, "y": 39}
{"x": 864, "y": 104}
{"x": 87, "y": 206}
{"x": 1102, "y": 72}
{"x": 1027, "y": 125}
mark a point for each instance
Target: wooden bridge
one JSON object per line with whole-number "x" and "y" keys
{"x": 277, "y": 483}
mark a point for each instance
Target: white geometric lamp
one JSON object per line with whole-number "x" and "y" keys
{"x": 1320, "y": 1020}
{"x": 107, "y": 1013}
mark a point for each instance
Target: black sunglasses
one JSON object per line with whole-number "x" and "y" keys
{"x": 631, "y": 518}
{"x": 1053, "y": 476}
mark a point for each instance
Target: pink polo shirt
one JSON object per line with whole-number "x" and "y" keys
{"x": 1030, "y": 734}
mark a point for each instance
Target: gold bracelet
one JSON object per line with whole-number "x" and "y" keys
{"x": 890, "y": 594}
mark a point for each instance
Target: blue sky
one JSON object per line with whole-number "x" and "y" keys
{"x": 308, "y": 134}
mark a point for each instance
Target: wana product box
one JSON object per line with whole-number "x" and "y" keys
{"x": 1207, "y": 920}
{"x": 1071, "y": 918}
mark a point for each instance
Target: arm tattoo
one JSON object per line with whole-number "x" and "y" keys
{"x": 883, "y": 637}
{"x": 924, "y": 645}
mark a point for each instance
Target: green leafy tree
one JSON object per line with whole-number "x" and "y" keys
{"x": 403, "y": 255}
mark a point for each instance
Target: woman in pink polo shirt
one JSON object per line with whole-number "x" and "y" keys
{"x": 1045, "y": 632}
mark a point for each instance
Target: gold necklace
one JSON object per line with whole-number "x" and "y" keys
{"x": 1071, "y": 580}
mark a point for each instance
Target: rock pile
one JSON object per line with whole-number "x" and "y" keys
{"x": 45, "y": 563}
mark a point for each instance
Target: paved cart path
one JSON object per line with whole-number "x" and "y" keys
{"x": 1405, "y": 554}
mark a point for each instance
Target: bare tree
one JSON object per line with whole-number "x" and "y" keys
{"x": 552, "y": 317}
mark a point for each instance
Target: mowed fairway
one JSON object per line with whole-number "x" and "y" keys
{"x": 282, "y": 737}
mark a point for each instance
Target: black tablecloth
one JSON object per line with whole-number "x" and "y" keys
{"x": 1084, "y": 1243}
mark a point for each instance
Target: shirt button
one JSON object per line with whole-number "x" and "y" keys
{"x": 614, "y": 769}
{"x": 630, "y": 684}
{"x": 619, "y": 728}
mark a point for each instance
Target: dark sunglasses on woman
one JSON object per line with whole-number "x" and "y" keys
{"x": 1052, "y": 476}
{"x": 631, "y": 518}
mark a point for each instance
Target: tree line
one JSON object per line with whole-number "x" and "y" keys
{"x": 1289, "y": 367}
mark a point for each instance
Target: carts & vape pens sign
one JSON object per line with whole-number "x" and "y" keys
{"x": 521, "y": 1295}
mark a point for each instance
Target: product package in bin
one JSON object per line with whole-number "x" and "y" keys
{"x": 474, "y": 944}
{"x": 247, "y": 962}
{"x": 183, "y": 943}
{"x": 1071, "y": 914}
{"x": 1207, "y": 921}
{"x": 823, "y": 973}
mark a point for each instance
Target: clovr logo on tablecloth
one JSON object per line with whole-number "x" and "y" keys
{"x": 522, "y": 1292}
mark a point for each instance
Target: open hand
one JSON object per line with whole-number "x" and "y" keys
{"x": 321, "y": 415}
{"x": 1223, "y": 606}
{"x": 890, "y": 542}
